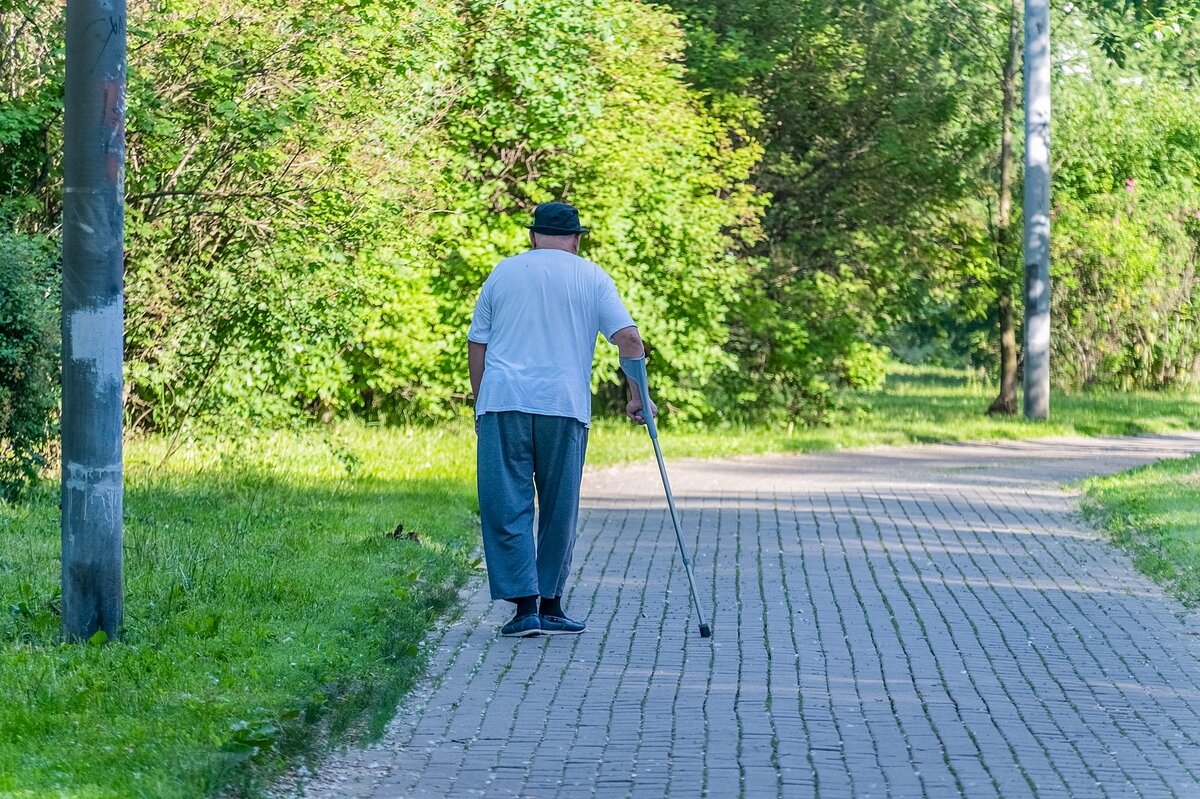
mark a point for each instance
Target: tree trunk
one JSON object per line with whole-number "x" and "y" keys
{"x": 1006, "y": 402}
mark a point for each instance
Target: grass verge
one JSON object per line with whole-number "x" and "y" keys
{"x": 1154, "y": 513}
{"x": 269, "y": 607}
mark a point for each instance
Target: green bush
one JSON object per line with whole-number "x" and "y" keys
{"x": 1127, "y": 289}
{"x": 275, "y": 149}
{"x": 317, "y": 190}
{"x": 28, "y": 359}
{"x": 311, "y": 216}
{"x": 1127, "y": 238}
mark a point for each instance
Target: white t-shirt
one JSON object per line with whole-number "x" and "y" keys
{"x": 539, "y": 313}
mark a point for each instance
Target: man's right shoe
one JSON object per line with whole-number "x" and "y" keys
{"x": 522, "y": 626}
{"x": 561, "y": 625}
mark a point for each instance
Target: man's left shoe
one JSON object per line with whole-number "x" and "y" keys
{"x": 561, "y": 625}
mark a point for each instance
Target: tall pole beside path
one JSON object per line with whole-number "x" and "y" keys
{"x": 1037, "y": 209}
{"x": 93, "y": 318}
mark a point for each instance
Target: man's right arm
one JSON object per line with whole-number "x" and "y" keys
{"x": 629, "y": 345}
{"x": 629, "y": 342}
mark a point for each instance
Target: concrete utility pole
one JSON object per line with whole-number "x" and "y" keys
{"x": 93, "y": 318}
{"x": 1037, "y": 209}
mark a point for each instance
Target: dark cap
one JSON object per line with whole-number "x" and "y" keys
{"x": 557, "y": 219}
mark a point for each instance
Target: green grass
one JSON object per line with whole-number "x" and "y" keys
{"x": 268, "y": 610}
{"x": 266, "y": 607}
{"x": 1154, "y": 513}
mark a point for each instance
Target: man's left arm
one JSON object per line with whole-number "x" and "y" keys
{"x": 476, "y": 353}
{"x": 477, "y": 336}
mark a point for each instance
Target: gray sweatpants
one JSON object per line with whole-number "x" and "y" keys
{"x": 518, "y": 454}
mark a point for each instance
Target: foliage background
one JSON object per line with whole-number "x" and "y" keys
{"x": 788, "y": 194}
{"x": 28, "y": 365}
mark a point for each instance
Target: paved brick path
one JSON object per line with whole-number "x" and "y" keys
{"x": 918, "y": 622}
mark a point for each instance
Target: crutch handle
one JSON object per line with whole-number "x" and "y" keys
{"x": 635, "y": 370}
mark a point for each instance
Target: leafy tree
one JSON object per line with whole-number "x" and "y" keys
{"x": 316, "y": 191}
{"x": 910, "y": 211}
{"x": 32, "y": 77}
{"x": 871, "y": 134}
{"x": 270, "y": 153}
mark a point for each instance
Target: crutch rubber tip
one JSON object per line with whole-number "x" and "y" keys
{"x": 705, "y": 631}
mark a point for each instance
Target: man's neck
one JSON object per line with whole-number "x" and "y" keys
{"x": 542, "y": 241}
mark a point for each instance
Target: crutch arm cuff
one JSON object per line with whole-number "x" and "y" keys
{"x": 635, "y": 370}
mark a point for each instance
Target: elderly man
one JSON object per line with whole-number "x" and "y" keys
{"x": 531, "y": 345}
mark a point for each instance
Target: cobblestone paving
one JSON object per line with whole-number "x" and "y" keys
{"x": 917, "y": 622}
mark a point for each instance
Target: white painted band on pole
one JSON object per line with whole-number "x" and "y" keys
{"x": 97, "y": 336}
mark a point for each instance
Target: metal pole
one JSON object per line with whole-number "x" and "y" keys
{"x": 1037, "y": 209}
{"x": 93, "y": 318}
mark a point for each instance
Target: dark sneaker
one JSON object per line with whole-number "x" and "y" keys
{"x": 522, "y": 626}
{"x": 561, "y": 625}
